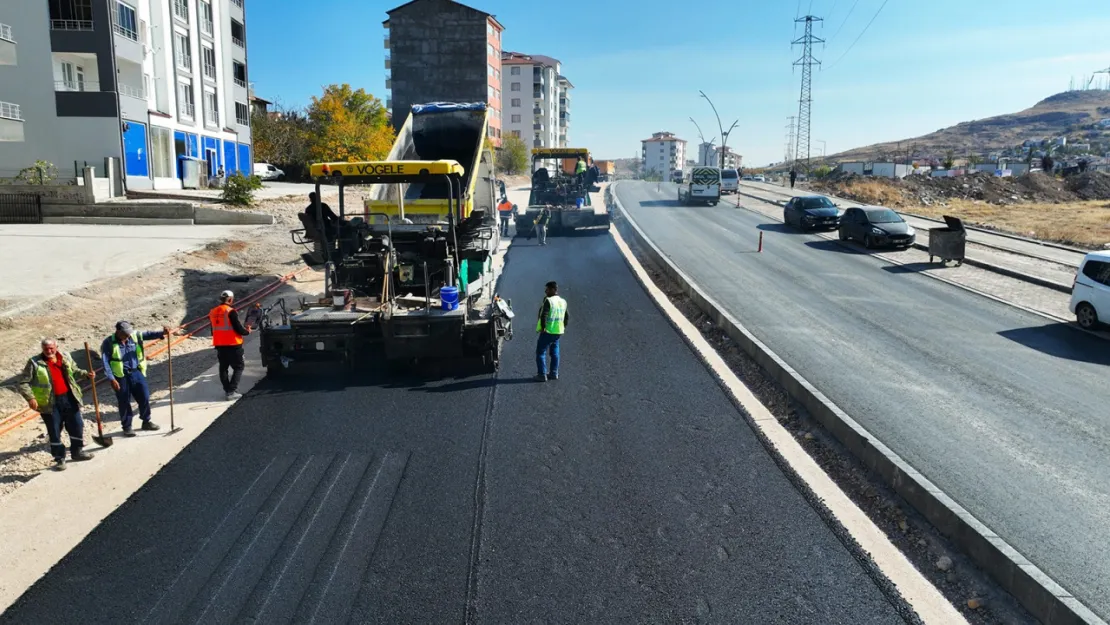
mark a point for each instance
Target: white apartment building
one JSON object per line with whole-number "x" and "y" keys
{"x": 149, "y": 82}
{"x": 710, "y": 155}
{"x": 663, "y": 153}
{"x": 535, "y": 99}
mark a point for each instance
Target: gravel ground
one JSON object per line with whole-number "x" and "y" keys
{"x": 944, "y": 565}
{"x": 181, "y": 288}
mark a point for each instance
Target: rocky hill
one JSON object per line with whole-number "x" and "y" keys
{"x": 1074, "y": 114}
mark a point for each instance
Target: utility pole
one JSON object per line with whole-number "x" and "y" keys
{"x": 790, "y": 141}
{"x": 805, "y": 101}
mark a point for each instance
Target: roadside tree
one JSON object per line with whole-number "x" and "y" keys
{"x": 348, "y": 125}
{"x": 513, "y": 157}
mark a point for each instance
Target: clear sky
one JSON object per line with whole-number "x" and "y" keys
{"x": 637, "y": 66}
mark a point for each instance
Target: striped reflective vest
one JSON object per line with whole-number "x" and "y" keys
{"x": 223, "y": 335}
{"x": 552, "y": 323}
{"x": 116, "y": 359}
{"x": 42, "y": 387}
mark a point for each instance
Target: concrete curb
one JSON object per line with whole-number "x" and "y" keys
{"x": 1018, "y": 275}
{"x": 160, "y": 214}
{"x": 1036, "y": 591}
{"x": 118, "y": 221}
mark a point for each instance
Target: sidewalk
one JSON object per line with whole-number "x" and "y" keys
{"x": 1045, "y": 264}
{"x": 74, "y": 502}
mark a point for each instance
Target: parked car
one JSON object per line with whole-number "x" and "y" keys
{"x": 876, "y": 226}
{"x": 1090, "y": 293}
{"x": 748, "y": 177}
{"x": 760, "y": 178}
{"x": 267, "y": 171}
{"x": 810, "y": 212}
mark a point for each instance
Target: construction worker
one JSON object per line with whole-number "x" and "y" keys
{"x": 551, "y": 324}
{"x": 124, "y": 360}
{"x": 541, "y": 224}
{"x": 793, "y": 177}
{"x": 227, "y": 338}
{"x": 580, "y": 170}
{"x": 49, "y": 387}
{"x": 505, "y": 210}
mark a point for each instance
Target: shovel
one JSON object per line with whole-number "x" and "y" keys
{"x": 99, "y": 439}
{"x": 169, "y": 361}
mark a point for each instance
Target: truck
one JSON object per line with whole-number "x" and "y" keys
{"x": 567, "y": 197}
{"x": 703, "y": 186}
{"x": 606, "y": 170}
{"x": 409, "y": 277}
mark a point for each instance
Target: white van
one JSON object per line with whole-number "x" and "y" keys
{"x": 730, "y": 181}
{"x": 704, "y": 186}
{"x": 267, "y": 171}
{"x": 1090, "y": 293}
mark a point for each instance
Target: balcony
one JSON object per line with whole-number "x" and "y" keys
{"x": 537, "y": 126}
{"x": 185, "y": 63}
{"x": 71, "y": 25}
{"x": 206, "y": 25}
{"x": 238, "y": 3}
{"x": 210, "y": 71}
{"x": 132, "y": 92}
{"x": 10, "y": 111}
{"x": 186, "y": 110}
{"x": 387, "y": 63}
{"x": 240, "y": 82}
{"x": 537, "y": 111}
{"x": 6, "y": 33}
{"x": 238, "y": 42}
{"x": 76, "y": 85}
{"x": 537, "y": 95}
{"x": 181, "y": 9}
{"x": 211, "y": 118}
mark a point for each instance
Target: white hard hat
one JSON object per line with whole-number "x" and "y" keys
{"x": 226, "y": 295}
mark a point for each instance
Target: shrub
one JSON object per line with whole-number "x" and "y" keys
{"x": 42, "y": 172}
{"x": 239, "y": 189}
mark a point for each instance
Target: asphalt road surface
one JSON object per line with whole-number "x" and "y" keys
{"x": 631, "y": 490}
{"x": 1005, "y": 411}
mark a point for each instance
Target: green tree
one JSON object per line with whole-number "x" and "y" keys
{"x": 949, "y": 159}
{"x": 513, "y": 157}
{"x": 282, "y": 136}
{"x": 348, "y": 125}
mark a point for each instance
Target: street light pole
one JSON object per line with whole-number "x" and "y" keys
{"x": 823, "y": 145}
{"x": 720, "y": 126}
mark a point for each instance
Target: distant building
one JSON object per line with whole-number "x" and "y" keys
{"x": 662, "y": 153}
{"x": 439, "y": 50}
{"x": 538, "y": 99}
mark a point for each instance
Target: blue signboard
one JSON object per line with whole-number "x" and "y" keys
{"x": 229, "y": 158}
{"x": 135, "y": 157}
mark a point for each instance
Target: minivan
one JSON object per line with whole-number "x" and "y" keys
{"x": 267, "y": 171}
{"x": 730, "y": 181}
{"x": 1090, "y": 293}
{"x": 703, "y": 186}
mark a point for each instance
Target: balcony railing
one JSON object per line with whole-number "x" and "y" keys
{"x": 242, "y": 121}
{"x": 185, "y": 63}
{"x": 239, "y": 42}
{"x": 537, "y": 126}
{"x": 211, "y": 118}
{"x": 206, "y": 25}
{"x": 210, "y": 71}
{"x": 240, "y": 82}
{"x": 187, "y": 110}
{"x": 6, "y": 33}
{"x": 125, "y": 32}
{"x": 134, "y": 92}
{"x": 181, "y": 9}
{"x": 76, "y": 85}
{"x": 10, "y": 111}
{"x": 71, "y": 25}
{"x": 537, "y": 111}
{"x": 238, "y": 3}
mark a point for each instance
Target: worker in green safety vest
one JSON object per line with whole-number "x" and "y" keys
{"x": 49, "y": 386}
{"x": 551, "y": 325}
{"x": 124, "y": 358}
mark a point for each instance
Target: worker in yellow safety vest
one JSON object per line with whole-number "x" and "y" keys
{"x": 49, "y": 387}
{"x": 551, "y": 325}
{"x": 580, "y": 170}
{"x": 227, "y": 338}
{"x": 124, "y": 358}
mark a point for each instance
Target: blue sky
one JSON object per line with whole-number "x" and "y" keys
{"x": 637, "y": 66}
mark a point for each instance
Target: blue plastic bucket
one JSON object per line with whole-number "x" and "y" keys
{"x": 449, "y": 297}
{"x": 580, "y": 202}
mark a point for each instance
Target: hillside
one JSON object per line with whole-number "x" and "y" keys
{"x": 1070, "y": 114}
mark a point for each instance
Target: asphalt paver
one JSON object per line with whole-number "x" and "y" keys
{"x": 629, "y": 490}
{"x": 1008, "y": 413}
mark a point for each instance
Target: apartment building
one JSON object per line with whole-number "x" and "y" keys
{"x": 710, "y": 155}
{"x": 148, "y": 82}
{"x": 443, "y": 51}
{"x": 543, "y": 119}
{"x": 662, "y": 153}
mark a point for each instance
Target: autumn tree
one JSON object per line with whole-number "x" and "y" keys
{"x": 282, "y": 137}
{"x": 513, "y": 157}
{"x": 348, "y": 125}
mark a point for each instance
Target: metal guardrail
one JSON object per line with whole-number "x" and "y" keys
{"x": 181, "y": 9}
{"x": 241, "y": 83}
{"x": 210, "y": 71}
{"x": 134, "y": 92}
{"x": 75, "y": 85}
{"x": 239, "y": 42}
{"x": 6, "y": 33}
{"x": 71, "y": 25}
{"x": 10, "y": 111}
{"x": 187, "y": 110}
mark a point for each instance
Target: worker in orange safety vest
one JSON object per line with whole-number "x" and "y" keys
{"x": 505, "y": 210}
{"x": 227, "y": 338}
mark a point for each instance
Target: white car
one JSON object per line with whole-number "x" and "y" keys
{"x": 1090, "y": 293}
{"x": 760, "y": 178}
{"x": 267, "y": 171}
{"x": 730, "y": 181}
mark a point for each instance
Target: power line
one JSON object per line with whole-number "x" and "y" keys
{"x": 832, "y": 10}
{"x": 850, "y": 11}
{"x": 861, "y": 34}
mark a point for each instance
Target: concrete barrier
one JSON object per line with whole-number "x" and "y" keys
{"x": 1044, "y": 598}
{"x": 210, "y": 216}
{"x": 152, "y": 214}
{"x": 120, "y": 210}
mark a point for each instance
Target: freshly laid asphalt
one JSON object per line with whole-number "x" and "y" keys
{"x": 1007, "y": 412}
{"x": 630, "y": 490}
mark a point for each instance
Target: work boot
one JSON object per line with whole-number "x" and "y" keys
{"x": 60, "y": 464}
{"x": 540, "y": 377}
{"x": 232, "y": 396}
{"x": 80, "y": 455}
{"x": 553, "y": 376}
{"x": 151, "y": 426}
{"x": 129, "y": 434}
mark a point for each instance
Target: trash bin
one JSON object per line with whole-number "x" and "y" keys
{"x": 948, "y": 243}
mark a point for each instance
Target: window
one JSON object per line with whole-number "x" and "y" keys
{"x": 515, "y": 119}
{"x": 1097, "y": 270}
{"x": 161, "y": 152}
{"x": 489, "y": 50}
{"x": 124, "y": 21}
{"x": 183, "y": 51}
{"x": 206, "y": 17}
{"x": 242, "y": 114}
{"x": 514, "y": 86}
{"x": 6, "y": 33}
{"x": 186, "y": 107}
{"x": 515, "y": 102}
{"x": 181, "y": 9}
{"x": 489, "y": 70}
{"x": 10, "y": 111}
{"x": 239, "y": 73}
{"x": 211, "y": 109}
{"x": 71, "y": 15}
{"x": 515, "y": 71}
{"x": 238, "y": 34}
{"x": 208, "y": 56}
